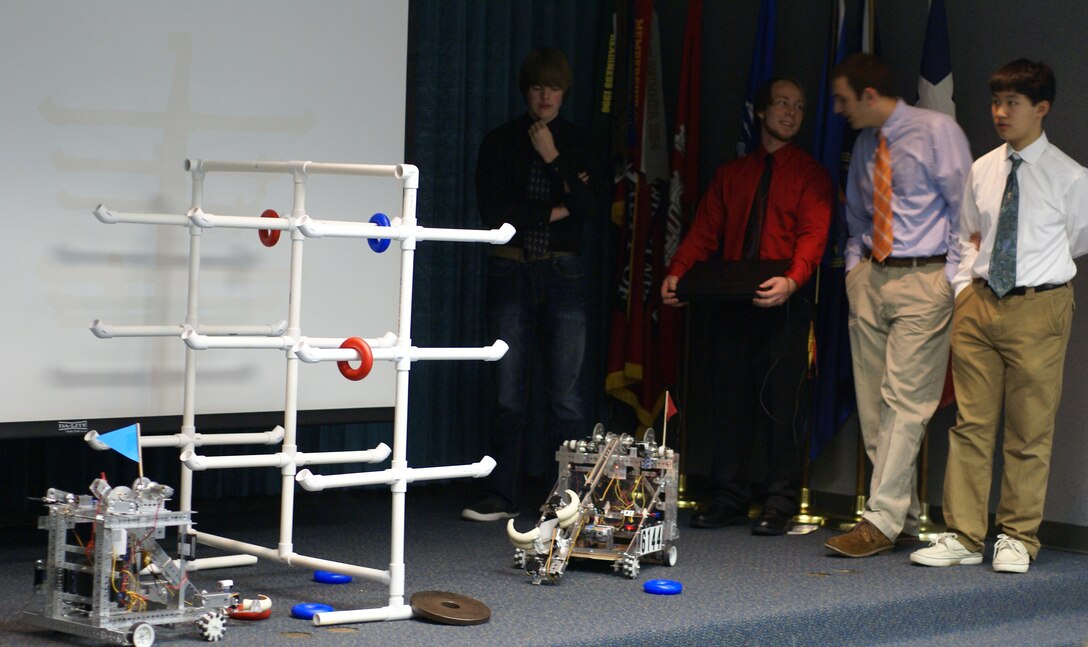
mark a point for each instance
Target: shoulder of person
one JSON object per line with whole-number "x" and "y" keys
{"x": 1063, "y": 161}
{"x": 733, "y": 165}
{"x": 507, "y": 136}
{"x": 805, "y": 158}
{"x": 941, "y": 122}
{"x": 566, "y": 130}
{"x": 516, "y": 126}
{"x": 995, "y": 154}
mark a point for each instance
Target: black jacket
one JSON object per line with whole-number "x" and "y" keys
{"x": 502, "y": 172}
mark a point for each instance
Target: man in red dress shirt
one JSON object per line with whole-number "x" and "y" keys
{"x": 760, "y": 347}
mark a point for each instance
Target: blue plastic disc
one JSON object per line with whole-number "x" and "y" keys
{"x": 663, "y": 587}
{"x": 379, "y": 244}
{"x": 328, "y": 577}
{"x": 306, "y": 610}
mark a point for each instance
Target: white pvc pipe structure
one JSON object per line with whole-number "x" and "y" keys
{"x": 407, "y": 173}
{"x": 198, "y": 463}
{"x": 287, "y": 336}
{"x": 109, "y": 217}
{"x": 488, "y": 353}
{"x": 174, "y": 440}
{"x": 108, "y": 331}
{"x": 332, "y": 229}
{"x": 316, "y": 482}
{"x": 291, "y": 558}
{"x": 224, "y": 561}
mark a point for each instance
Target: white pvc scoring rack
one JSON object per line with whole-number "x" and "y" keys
{"x": 287, "y": 336}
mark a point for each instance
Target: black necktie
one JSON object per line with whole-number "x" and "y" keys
{"x": 754, "y": 231}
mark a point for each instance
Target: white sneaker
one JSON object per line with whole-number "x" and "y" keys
{"x": 1010, "y": 556}
{"x": 945, "y": 550}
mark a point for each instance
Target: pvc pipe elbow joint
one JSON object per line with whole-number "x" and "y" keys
{"x": 193, "y": 339}
{"x": 105, "y": 215}
{"x": 197, "y": 216}
{"x": 504, "y": 234}
{"x": 409, "y": 173}
{"x": 309, "y": 227}
{"x": 100, "y": 330}
{"x": 498, "y": 351}
{"x": 91, "y": 438}
{"x": 192, "y": 460}
{"x": 486, "y": 464}
{"x": 309, "y": 481}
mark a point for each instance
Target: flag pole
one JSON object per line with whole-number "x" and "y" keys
{"x": 806, "y": 520}
{"x": 139, "y": 454}
{"x": 665, "y": 422}
{"x": 682, "y": 493}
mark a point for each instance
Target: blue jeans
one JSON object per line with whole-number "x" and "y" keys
{"x": 539, "y": 309}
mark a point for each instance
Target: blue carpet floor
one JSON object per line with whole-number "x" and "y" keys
{"x": 738, "y": 589}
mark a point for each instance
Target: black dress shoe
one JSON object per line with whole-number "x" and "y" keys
{"x": 719, "y": 515}
{"x": 771, "y": 522}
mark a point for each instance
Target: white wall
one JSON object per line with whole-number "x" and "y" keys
{"x": 102, "y": 102}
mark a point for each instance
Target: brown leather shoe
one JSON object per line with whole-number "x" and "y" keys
{"x": 863, "y": 540}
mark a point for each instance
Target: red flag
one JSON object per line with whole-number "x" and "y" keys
{"x": 645, "y": 340}
{"x": 641, "y": 198}
{"x": 670, "y": 407}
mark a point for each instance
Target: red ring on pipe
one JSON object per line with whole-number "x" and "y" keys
{"x": 363, "y": 348}
{"x": 269, "y": 237}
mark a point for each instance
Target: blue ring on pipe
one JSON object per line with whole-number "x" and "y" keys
{"x": 306, "y": 610}
{"x": 663, "y": 587}
{"x": 328, "y": 577}
{"x": 379, "y": 244}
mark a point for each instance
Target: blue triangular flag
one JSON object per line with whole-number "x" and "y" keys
{"x": 126, "y": 441}
{"x": 761, "y": 71}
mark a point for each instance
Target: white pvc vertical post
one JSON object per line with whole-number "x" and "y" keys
{"x": 290, "y": 409}
{"x": 188, "y": 415}
{"x": 400, "y": 417}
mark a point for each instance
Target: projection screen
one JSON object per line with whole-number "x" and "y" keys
{"x": 103, "y": 102}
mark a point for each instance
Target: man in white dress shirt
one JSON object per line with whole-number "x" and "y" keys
{"x": 1023, "y": 221}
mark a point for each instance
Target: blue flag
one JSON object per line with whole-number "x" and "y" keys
{"x": 935, "y": 82}
{"x": 125, "y": 441}
{"x": 833, "y": 386}
{"x": 761, "y": 71}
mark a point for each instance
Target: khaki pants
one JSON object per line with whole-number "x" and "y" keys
{"x": 899, "y": 322}
{"x": 1009, "y": 350}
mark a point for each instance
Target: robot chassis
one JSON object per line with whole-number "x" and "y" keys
{"x": 112, "y": 581}
{"x": 614, "y": 500}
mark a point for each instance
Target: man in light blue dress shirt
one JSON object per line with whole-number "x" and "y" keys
{"x": 900, "y": 305}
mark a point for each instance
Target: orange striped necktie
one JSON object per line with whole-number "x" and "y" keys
{"x": 882, "y": 201}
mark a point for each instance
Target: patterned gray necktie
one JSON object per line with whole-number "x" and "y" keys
{"x": 535, "y": 239}
{"x": 1003, "y": 256}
